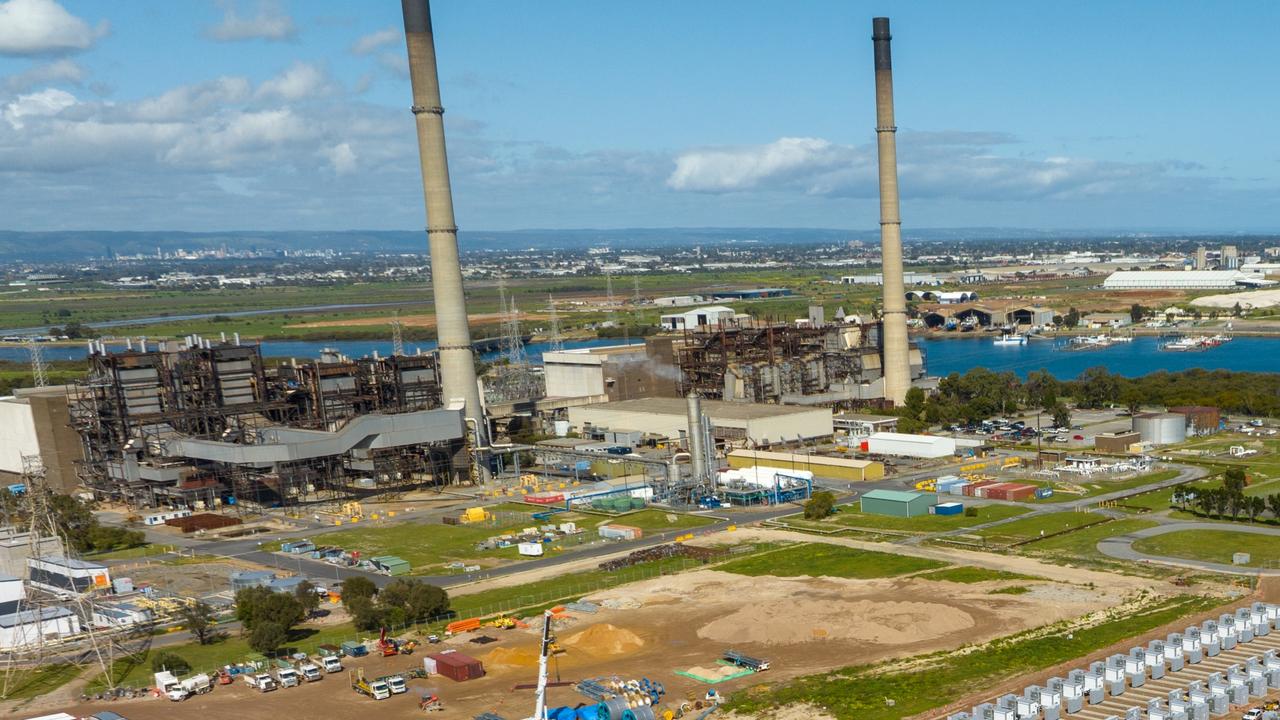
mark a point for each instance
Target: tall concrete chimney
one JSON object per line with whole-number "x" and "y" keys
{"x": 897, "y": 361}
{"x": 457, "y": 362}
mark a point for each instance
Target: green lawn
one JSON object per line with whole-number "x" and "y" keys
{"x": 1084, "y": 543}
{"x": 821, "y": 560}
{"x": 148, "y": 550}
{"x": 852, "y": 516}
{"x": 42, "y": 680}
{"x": 1037, "y": 526}
{"x": 430, "y": 546}
{"x": 966, "y": 574}
{"x": 1214, "y": 546}
{"x": 863, "y": 692}
{"x": 1093, "y": 488}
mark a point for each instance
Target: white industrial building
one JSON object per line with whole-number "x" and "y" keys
{"x": 67, "y": 576}
{"x": 586, "y": 371}
{"x": 908, "y": 278}
{"x": 35, "y": 421}
{"x": 905, "y": 445}
{"x": 11, "y": 594}
{"x": 31, "y": 627}
{"x": 709, "y": 316}
{"x": 119, "y": 615}
{"x": 743, "y": 423}
{"x": 16, "y": 546}
{"x": 860, "y": 425}
{"x": 1181, "y": 280}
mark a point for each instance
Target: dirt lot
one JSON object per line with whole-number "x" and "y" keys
{"x": 683, "y": 622}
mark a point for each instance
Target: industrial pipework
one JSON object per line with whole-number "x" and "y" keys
{"x": 897, "y": 361}
{"x": 457, "y": 361}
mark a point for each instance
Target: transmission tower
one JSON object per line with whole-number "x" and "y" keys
{"x": 38, "y": 368}
{"x": 556, "y": 342}
{"x": 93, "y": 646}
{"x": 635, "y": 296}
{"x": 397, "y": 335}
{"x": 608, "y": 279}
{"x": 511, "y": 337}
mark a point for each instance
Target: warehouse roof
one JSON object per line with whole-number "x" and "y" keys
{"x": 71, "y": 563}
{"x": 798, "y": 459}
{"x": 909, "y": 438}
{"x": 864, "y": 417}
{"x": 26, "y": 617}
{"x": 712, "y": 408}
{"x": 893, "y": 495}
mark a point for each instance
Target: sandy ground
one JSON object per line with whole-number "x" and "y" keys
{"x": 683, "y": 622}
{"x": 1248, "y": 299}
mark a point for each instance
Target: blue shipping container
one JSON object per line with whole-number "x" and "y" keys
{"x": 952, "y": 508}
{"x": 1044, "y": 492}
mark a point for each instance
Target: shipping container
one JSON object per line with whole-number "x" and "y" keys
{"x": 948, "y": 508}
{"x": 454, "y": 665}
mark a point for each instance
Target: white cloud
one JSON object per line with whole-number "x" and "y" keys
{"x": 933, "y": 165}
{"x": 270, "y": 22}
{"x": 43, "y": 27}
{"x": 341, "y": 157}
{"x": 229, "y": 140}
{"x": 58, "y": 71}
{"x": 374, "y": 40}
{"x": 728, "y": 169}
{"x": 300, "y": 80}
{"x": 188, "y": 101}
{"x": 45, "y": 103}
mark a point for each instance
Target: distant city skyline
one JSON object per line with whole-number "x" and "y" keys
{"x": 248, "y": 114}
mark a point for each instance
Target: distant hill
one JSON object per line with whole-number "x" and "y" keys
{"x": 70, "y": 246}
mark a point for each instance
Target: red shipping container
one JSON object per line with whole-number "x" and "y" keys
{"x": 457, "y": 667}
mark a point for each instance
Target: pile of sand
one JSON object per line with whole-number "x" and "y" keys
{"x": 713, "y": 672}
{"x": 1250, "y": 299}
{"x": 512, "y": 657}
{"x": 605, "y": 639}
{"x": 804, "y": 619}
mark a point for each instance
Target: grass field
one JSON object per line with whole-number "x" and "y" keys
{"x": 1214, "y": 546}
{"x": 862, "y": 693}
{"x": 42, "y": 680}
{"x": 430, "y": 546}
{"x": 965, "y": 574}
{"x": 852, "y": 516}
{"x": 1037, "y": 526}
{"x": 819, "y": 560}
{"x": 1102, "y": 488}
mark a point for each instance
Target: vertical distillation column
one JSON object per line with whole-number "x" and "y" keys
{"x": 897, "y": 368}
{"x": 457, "y": 361}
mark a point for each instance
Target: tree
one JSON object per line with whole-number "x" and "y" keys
{"x": 267, "y": 637}
{"x": 198, "y": 617}
{"x": 914, "y": 402}
{"x": 820, "y": 505}
{"x": 1179, "y": 497}
{"x": 418, "y": 600}
{"x": 1254, "y": 505}
{"x": 1235, "y": 503}
{"x": 259, "y": 606}
{"x": 358, "y": 587}
{"x": 1234, "y": 479}
{"x": 1061, "y": 416}
{"x": 364, "y": 613}
{"x": 307, "y": 596}
{"x": 171, "y": 661}
{"x": 1136, "y": 313}
{"x": 1221, "y": 501}
{"x": 1205, "y": 500}
{"x": 1072, "y": 318}
{"x": 1236, "y": 310}
{"x": 1273, "y": 504}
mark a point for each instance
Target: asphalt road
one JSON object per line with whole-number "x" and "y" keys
{"x": 1121, "y": 546}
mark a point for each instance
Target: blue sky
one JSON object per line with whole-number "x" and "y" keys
{"x": 196, "y": 115}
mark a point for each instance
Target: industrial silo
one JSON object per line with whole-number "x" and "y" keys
{"x": 1161, "y": 428}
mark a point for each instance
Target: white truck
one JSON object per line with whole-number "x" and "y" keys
{"x": 396, "y": 684}
{"x": 310, "y": 672}
{"x": 330, "y": 663}
{"x": 261, "y": 681}
{"x": 288, "y": 677}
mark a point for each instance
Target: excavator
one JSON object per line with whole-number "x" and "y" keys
{"x": 387, "y": 645}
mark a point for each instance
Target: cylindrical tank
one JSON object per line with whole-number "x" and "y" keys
{"x": 1161, "y": 428}
{"x": 696, "y": 434}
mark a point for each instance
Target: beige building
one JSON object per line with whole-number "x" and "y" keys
{"x": 35, "y": 421}
{"x": 835, "y": 468}
{"x": 747, "y": 424}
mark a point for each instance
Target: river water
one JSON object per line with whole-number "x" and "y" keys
{"x": 943, "y": 356}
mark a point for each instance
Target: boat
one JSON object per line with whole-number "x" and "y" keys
{"x": 1010, "y": 339}
{"x": 1194, "y": 344}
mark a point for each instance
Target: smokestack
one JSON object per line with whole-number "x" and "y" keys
{"x": 897, "y": 361}
{"x": 696, "y": 437}
{"x": 457, "y": 363}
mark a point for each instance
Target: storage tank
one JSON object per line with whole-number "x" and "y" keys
{"x": 1161, "y": 428}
